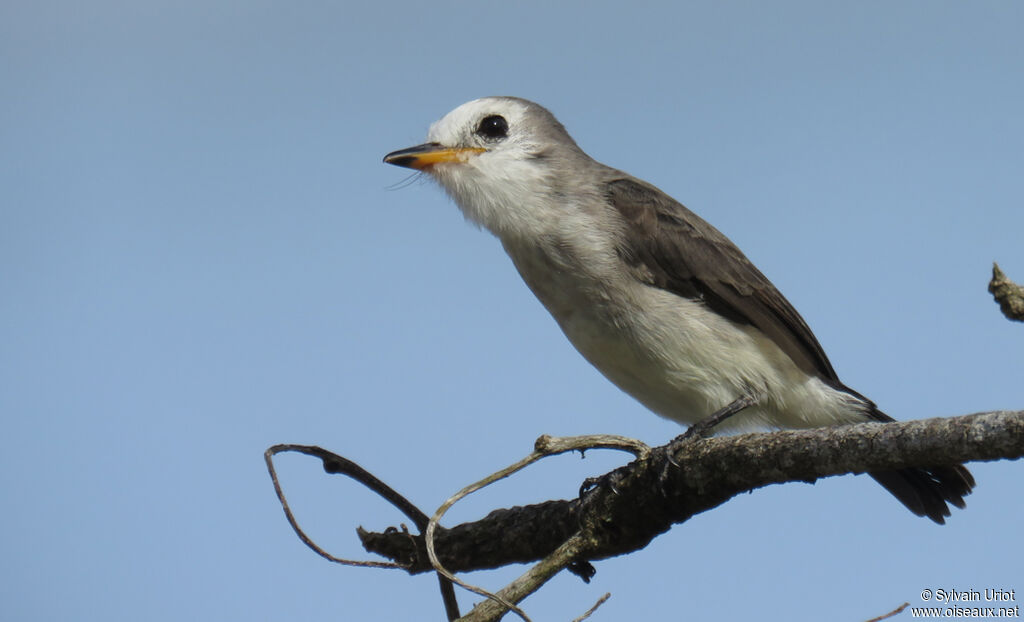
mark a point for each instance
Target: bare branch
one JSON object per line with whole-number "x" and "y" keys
{"x": 710, "y": 472}
{"x": 1008, "y": 294}
{"x": 333, "y": 463}
{"x": 268, "y": 457}
{"x": 531, "y": 581}
{"x": 590, "y": 612}
{"x": 890, "y": 614}
{"x": 432, "y": 527}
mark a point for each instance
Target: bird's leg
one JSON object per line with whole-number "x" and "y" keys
{"x": 702, "y": 429}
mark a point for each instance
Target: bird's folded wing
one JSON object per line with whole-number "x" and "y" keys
{"x": 671, "y": 248}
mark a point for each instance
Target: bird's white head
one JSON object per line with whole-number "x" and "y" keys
{"x": 501, "y": 159}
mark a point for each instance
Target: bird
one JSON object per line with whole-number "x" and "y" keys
{"x": 664, "y": 305}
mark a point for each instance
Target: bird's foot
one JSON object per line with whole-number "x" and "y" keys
{"x": 702, "y": 429}
{"x": 607, "y": 481}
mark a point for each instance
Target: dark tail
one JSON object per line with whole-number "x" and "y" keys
{"x": 926, "y": 491}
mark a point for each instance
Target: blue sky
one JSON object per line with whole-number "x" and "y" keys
{"x": 201, "y": 255}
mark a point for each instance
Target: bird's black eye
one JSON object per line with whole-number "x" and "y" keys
{"x": 493, "y": 127}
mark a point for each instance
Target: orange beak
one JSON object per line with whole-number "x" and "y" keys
{"x": 422, "y": 157}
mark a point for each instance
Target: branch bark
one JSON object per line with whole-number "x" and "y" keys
{"x": 647, "y": 496}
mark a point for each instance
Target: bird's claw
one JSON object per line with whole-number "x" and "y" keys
{"x": 604, "y": 481}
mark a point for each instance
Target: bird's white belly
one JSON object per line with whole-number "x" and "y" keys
{"x": 675, "y": 355}
{"x": 684, "y": 362}
{"x": 662, "y": 356}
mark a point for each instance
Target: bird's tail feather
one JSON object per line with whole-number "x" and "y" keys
{"x": 926, "y": 491}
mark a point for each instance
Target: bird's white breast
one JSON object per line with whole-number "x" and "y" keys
{"x": 673, "y": 354}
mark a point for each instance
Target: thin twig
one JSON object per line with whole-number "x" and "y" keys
{"x": 333, "y": 463}
{"x": 432, "y": 526}
{"x": 532, "y": 580}
{"x": 891, "y": 613}
{"x": 590, "y": 612}
{"x": 268, "y": 457}
{"x": 544, "y": 446}
{"x": 552, "y": 445}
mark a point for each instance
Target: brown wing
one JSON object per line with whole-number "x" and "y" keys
{"x": 674, "y": 249}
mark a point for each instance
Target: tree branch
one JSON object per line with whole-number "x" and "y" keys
{"x": 335, "y": 464}
{"x": 1008, "y": 294}
{"x": 709, "y": 472}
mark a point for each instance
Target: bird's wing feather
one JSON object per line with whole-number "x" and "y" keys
{"x": 671, "y": 248}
